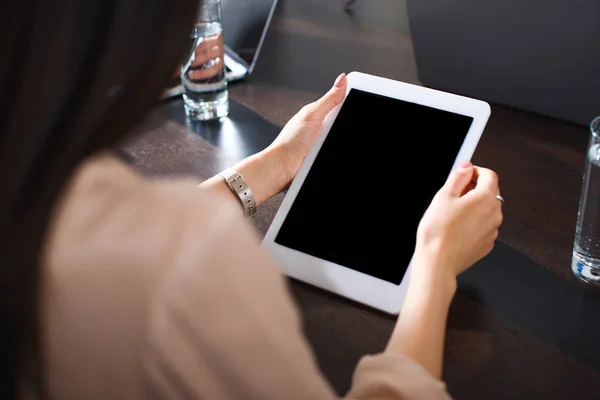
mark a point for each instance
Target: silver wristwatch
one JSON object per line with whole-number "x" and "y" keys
{"x": 239, "y": 186}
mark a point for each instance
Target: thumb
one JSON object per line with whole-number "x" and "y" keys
{"x": 459, "y": 179}
{"x": 319, "y": 109}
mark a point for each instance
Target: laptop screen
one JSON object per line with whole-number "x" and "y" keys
{"x": 244, "y": 25}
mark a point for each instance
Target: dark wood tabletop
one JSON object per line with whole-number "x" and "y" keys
{"x": 521, "y": 326}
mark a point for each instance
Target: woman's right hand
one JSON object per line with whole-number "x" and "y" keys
{"x": 461, "y": 223}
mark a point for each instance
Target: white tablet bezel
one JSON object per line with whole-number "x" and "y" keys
{"x": 349, "y": 283}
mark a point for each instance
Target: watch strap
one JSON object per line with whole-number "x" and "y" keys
{"x": 238, "y": 185}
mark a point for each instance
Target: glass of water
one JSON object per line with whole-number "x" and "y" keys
{"x": 203, "y": 72}
{"x": 586, "y": 250}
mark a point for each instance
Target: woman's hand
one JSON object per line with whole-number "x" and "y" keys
{"x": 210, "y": 49}
{"x": 271, "y": 170}
{"x": 299, "y": 134}
{"x": 457, "y": 230}
{"x": 461, "y": 223}
{"x": 207, "y": 59}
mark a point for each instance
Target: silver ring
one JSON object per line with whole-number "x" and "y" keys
{"x": 500, "y": 198}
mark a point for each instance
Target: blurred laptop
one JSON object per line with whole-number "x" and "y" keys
{"x": 245, "y": 26}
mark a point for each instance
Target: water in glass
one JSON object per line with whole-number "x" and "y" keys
{"x": 205, "y": 96}
{"x": 586, "y": 249}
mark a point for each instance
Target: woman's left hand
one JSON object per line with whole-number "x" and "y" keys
{"x": 271, "y": 170}
{"x": 299, "y": 134}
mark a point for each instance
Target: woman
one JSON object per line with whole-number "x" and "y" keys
{"x": 116, "y": 286}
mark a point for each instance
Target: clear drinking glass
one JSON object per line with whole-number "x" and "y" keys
{"x": 205, "y": 94}
{"x": 586, "y": 250}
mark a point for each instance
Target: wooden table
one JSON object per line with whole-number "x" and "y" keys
{"x": 520, "y": 326}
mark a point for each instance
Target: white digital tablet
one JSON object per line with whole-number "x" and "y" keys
{"x": 348, "y": 222}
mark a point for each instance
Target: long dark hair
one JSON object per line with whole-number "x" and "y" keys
{"x": 75, "y": 78}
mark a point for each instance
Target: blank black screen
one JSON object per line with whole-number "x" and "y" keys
{"x": 373, "y": 178}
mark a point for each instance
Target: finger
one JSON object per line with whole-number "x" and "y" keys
{"x": 206, "y": 73}
{"x": 495, "y": 234}
{"x": 486, "y": 180}
{"x": 485, "y": 192}
{"x": 205, "y": 55}
{"x": 470, "y": 186}
{"x": 320, "y": 108}
{"x": 210, "y": 41}
{"x": 459, "y": 179}
{"x": 499, "y": 217}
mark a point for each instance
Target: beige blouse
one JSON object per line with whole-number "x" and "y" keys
{"x": 159, "y": 290}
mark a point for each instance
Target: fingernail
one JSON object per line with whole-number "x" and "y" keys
{"x": 339, "y": 82}
{"x": 466, "y": 164}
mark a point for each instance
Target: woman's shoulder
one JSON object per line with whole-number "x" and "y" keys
{"x": 113, "y": 237}
{"x": 108, "y": 206}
